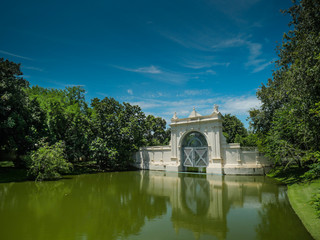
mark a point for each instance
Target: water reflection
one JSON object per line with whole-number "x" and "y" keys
{"x": 144, "y": 205}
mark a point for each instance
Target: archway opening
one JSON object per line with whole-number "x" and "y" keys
{"x": 194, "y": 152}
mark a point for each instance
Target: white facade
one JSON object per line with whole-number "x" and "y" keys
{"x": 197, "y": 142}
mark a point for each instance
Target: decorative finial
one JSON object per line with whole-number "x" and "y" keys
{"x": 194, "y": 108}
{"x": 175, "y": 115}
{"x": 216, "y": 108}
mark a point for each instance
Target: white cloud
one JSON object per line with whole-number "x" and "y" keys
{"x": 255, "y": 51}
{"x": 15, "y": 55}
{"x": 211, "y": 72}
{"x": 235, "y": 105}
{"x": 193, "y": 92}
{"x": 161, "y": 75}
{"x": 32, "y": 68}
{"x": 130, "y": 91}
{"x": 204, "y": 64}
{"x": 151, "y": 70}
{"x": 240, "y": 105}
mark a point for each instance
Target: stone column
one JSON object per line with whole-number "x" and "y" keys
{"x": 174, "y": 145}
{"x": 218, "y": 145}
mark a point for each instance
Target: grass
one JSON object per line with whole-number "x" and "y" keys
{"x": 300, "y": 196}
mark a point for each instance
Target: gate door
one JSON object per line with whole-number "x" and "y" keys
{"x": 195, "y": 150}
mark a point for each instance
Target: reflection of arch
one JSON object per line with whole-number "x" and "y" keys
{"x": 194, "y": 150}
{"x": 195, "y": 195}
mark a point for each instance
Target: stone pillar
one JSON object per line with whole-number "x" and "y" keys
{"x": 174, "y": 145}
{"x": 213, "y": 140}
{"x": 218, "y": 145}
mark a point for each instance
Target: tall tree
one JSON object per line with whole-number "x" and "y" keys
{"x": 118, "y": 132}
{"x": 233, "y": 129}
{"x": 156, "y": 133}
{"x": 20, "y": 118}
{"x": 286, "y": 122}
{"x": 67, "y": 118}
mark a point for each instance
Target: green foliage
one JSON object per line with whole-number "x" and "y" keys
{"x": 315, "y": 202}
{"x": 108, "y": 131}
{"x": 119, "y": 130}
{"x": 66, "y": 117}
{"x": 156, "y": 133}
{"x": 48, "y": 162}
{"x": 21, "y": 119}
{"x": 233, "y": 129}
{"x": 287, "y": 122}
{"x": 314, "y": 168}
{"x": 288, "y": 175}
{"x": 106, "y": 158}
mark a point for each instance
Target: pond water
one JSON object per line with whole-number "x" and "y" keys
{"x": 148, "y": 205}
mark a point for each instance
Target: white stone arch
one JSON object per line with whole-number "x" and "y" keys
{"x": 223, "y": 157}
{"x": 184, "y": 134}
{"x": 194, "y": 156}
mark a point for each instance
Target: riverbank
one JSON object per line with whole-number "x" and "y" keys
{"x": 300, "y": 196}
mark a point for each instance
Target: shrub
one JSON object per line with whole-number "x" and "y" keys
{"x": 315, "y": 201}
{"x": 48, "y": 162}
{"x": 314, "y": 168}
{"x": 107, "y": 158}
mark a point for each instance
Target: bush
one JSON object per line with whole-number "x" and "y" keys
{"x": 107, "y": 158}
{"x": 48, "y": 162}
{"x": 313, "y": 173}
{"x": 315, "y": 202}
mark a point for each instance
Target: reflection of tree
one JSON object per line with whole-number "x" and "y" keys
{"x": 99, "y": 206}
{"x": 277, "y": 217}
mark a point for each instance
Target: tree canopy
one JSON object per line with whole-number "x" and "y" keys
{"x": 107, "y": 132}
{"x": 288, "y": 121}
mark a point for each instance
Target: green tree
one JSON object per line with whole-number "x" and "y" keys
{"x": 21, "y": 119}
{"x": 67, "y": 118}
{"x": 233, "y": 129}
{"x": 119, "y": 129}
{"x": 48, "y": 162}
{"x": 286, "y": 121}
{"x": 156, "y": 133}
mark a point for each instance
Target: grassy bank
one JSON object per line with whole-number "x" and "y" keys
{"x": 300, "y": 196}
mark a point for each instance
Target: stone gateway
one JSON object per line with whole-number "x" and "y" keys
{"x": 197, "y": 144}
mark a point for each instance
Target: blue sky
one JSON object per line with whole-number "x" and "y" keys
{"x": 165, "y": 55}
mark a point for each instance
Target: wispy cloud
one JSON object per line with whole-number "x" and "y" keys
{"x": 162, "y": 75}
{"x": 214, "y": 45}
{"x": 204, "y": 64}
{"x": 197, "y": 92}
{"x": 150, "y": 70}
{"x": 15, "y": 55}
{"x": 240, "y": 105}
{"x": 255, "y": 51}
{"x": 32, "y": 68}
{"x": 130, "y": 91}
{"x": 235, "y": 105}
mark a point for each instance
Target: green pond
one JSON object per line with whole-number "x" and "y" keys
{"x": 148, "y": 205}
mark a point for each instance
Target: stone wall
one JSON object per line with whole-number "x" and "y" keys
{"x": 235, "y": 160}
{"x": 220, "y": 158}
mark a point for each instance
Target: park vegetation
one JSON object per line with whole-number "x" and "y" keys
{"x": 287, "y": 124}
{"x": 48, "y": 130}
{"x": 36, "y": 122}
